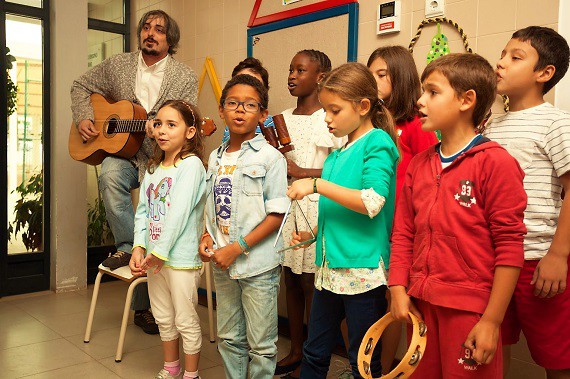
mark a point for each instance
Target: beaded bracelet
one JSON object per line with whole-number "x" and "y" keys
{"x": 243, "y": 245}
{"x": 315, "y": 185}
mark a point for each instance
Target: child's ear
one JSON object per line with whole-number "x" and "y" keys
{"x": 264, "y": 114}
{"x": 546, "y": 74}
{"x": 221, "y": 112}
{"x": 321, "y": 77}
{"x": 468, "y": 100}
{"x": 364, "y": 107}
{"x": 191, "y": 132}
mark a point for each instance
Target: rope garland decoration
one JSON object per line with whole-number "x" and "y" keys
{"x": 437, "y": 20}
{"x": 454, "y": 24}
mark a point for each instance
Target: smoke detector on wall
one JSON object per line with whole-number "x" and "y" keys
{"x": 435, "y": 8}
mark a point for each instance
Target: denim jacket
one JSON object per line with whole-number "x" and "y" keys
{"x": 259, "y": 188}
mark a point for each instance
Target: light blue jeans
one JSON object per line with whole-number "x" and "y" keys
{"x": 118, "y": 176}
{"x": 247, "y": 323}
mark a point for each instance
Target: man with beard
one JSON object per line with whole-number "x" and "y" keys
{"x": 149, "y": 77}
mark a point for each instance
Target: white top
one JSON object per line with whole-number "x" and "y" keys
{"x": 539, "y": 138}
{"x": 312, "y": 140}
{"x": 149, "y": 80}
{"x": 313, "y": 143}
{"x": 223, "y": 196}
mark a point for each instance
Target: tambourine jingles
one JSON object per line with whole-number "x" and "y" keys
{"x": 410, "y": 360}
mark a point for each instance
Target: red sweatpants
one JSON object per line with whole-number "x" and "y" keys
{"x": 445, "y": 357}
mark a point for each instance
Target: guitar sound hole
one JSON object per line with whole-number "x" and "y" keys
{"x": 112, "y": 126}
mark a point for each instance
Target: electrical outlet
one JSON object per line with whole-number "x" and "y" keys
{"x": 435, "y": 8}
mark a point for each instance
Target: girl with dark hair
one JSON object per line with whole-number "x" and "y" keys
{"x": 399, "y": 87}
{"x": 313, "y": 143}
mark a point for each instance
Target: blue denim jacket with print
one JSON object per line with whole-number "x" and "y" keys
{"x": 259, "y": 188}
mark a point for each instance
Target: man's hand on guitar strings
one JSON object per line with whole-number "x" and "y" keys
{"x": 87, "y": 130}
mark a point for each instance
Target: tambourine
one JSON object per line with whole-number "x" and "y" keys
{"x": 410, "y": 360}
{"x": 208, "y": 126}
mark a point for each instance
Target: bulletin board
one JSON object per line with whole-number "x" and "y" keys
{"x": 333, "y": 31}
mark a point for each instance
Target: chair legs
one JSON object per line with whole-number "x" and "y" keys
{"x": 92, "y": 308}
{"x": 126, "y": 310}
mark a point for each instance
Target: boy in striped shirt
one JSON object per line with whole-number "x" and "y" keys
{"x": 538, "y": 135}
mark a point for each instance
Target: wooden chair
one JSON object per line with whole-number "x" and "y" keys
{"x": 124, "y": 274}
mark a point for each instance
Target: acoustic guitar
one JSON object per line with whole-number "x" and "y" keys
{"x": 122, "y": 127}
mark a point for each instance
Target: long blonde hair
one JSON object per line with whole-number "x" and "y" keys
{"x": 353, "y": 82}
{"x": 192, "y": 146}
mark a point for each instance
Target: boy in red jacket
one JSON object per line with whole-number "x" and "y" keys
{"x": 457, "y": 245}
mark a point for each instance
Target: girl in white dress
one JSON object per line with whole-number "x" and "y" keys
{"x": 313, "y": 143}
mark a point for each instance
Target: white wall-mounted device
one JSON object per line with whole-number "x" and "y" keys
{"x": 435, "y": 8}
{"x": 389, "y": 15}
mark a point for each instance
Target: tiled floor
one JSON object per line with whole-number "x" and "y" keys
{"x": 41, "y": 336}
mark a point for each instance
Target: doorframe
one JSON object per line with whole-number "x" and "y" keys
{"x": 26, "y": 272}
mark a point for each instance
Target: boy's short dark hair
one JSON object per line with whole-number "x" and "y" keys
{"x": 253, "y": 64}
{"x": 468, "y": 71}
{"x": 247, "y": 80}
{"x": 552, "y": 49}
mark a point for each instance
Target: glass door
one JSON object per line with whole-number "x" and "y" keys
{"x": 24, "y": 189}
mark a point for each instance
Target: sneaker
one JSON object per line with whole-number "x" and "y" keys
{"x": 145, "y": 320}
{"x": 163, "y": 374}
{"x": 119, "y": 259}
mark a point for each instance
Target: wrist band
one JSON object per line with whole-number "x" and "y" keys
{"x": 315, "y": 185}
{"x": 243, "y": 245}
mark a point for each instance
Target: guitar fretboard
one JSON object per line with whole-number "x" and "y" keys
{"x": 126, "y": 126}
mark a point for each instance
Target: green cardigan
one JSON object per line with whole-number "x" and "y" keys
{"x": 354, "y": 240}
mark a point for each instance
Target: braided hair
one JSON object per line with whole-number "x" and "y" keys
{"x": 318, "y": 56}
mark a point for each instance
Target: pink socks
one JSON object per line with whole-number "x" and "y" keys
{"x": 173, "y": 368}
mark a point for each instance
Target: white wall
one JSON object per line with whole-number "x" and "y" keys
{"x": 562, "y": 97}
{"x": 68, "y": 20}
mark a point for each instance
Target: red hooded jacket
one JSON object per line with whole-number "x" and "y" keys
{"x": 454, "y": 225}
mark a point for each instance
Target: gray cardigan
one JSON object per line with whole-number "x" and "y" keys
{"x": 115, "y": 79}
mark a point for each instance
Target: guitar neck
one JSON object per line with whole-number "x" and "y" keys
{"x": 127, "y": 126}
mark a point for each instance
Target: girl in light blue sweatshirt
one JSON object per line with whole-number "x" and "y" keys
{"x": 168, "y": 224}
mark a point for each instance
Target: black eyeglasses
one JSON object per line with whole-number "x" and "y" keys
{"x": 249, "y": 106}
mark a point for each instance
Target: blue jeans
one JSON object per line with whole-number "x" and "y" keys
{"x": 327, "y": 311}
{"x": 247, "y": 323}
{"x": 118, "y": 177}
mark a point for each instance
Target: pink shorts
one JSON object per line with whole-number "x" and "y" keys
{"x": 445, "y": 356}
{"x": 544, "y": 322}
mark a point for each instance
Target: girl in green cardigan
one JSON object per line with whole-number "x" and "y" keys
{"x": 356, "y": 209}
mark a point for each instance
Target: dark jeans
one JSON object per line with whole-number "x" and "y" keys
{"x": 327, "y": 312}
